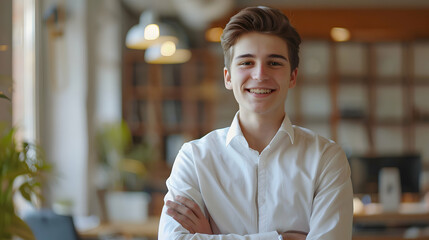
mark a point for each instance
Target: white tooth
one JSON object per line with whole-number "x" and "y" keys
{"x": 260, "y": 91}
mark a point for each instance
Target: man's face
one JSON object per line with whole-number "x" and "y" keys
{"x": 260, "y": 74}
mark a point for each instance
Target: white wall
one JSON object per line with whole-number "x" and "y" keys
{"x": 104, "y": 82}
{"x": 81, "y": 89}
{"x": 64, "y": 89}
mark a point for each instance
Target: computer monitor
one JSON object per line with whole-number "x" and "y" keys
{"x": 365, "y": 172}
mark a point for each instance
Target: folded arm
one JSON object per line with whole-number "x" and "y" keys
{"x": 189, "y": 215}
{"x": 176, "y": 225}
{"x": 184, "y": 181}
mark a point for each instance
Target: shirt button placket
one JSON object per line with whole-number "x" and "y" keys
{"x": 261, "y": 194}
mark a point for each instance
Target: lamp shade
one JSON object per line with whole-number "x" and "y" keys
{"x": 164, "y": 54}
{"x": 165, "y": 43}
{"x": 149, "y": 32}
{"x": 170, "y": 52}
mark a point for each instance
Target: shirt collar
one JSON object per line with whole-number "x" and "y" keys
{"x": 235, "y": 129}
{"x": 287, "y": 128}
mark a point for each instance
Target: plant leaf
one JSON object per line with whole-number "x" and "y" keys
{"x": 4, "y": 96}
{"x": 21, "y": 229}
{"x": 18, "y": 159}
{"x": 25, "y": 189}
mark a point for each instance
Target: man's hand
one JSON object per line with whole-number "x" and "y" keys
{"x": 294, "y": 235}
{"x": 189, "y": 215}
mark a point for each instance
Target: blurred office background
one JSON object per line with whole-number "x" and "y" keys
{"x": 111, "y": 111}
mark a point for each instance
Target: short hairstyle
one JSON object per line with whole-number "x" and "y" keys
{"x": 263, "y": 20}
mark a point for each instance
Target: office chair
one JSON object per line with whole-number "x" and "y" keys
{"x": 47, "y": 225}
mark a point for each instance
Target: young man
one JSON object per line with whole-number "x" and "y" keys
{"x": 261, "y": 178}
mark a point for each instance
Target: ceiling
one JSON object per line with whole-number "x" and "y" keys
{"x": 367, "y": 19}
{"x": 335, "y": 3}
{"x": 169, "y": 7}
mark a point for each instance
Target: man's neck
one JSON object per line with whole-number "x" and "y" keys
{"x": 259, "y": 130}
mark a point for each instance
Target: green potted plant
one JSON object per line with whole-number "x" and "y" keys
{"x": 126, "y": 164}
{"x": 23, "y": 161}
{"x": 124, "y": 169}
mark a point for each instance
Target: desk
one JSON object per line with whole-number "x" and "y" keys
{"x": 396, "y": 224}
{"x": 387, "y": 238}
{"x": 391, "y": 219}
{"x": 147, "y": 229}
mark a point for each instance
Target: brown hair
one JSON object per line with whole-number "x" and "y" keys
{"x": 263, "y": 20}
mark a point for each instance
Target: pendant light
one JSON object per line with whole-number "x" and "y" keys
{"x": 164, "y": 43}
{"x": 148, "y": 32}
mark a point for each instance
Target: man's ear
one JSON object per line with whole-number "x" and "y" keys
{"x": 227, "y": 78}
{"x": 293, "y": 77}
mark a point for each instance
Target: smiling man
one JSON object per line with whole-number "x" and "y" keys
{"x": 262, "y": 177}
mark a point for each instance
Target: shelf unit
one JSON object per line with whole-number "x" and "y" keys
{"x": 166, "y": 105}
{"x": 371, "y": 97}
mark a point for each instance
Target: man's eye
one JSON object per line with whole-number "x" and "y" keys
{"x": 246, "y": 63}
{"x": 275, "y": 64}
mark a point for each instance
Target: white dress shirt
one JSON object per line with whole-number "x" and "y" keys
{"x": 300, "y": 181}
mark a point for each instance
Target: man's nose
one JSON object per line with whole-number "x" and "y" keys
{"x": 259, "y": 72}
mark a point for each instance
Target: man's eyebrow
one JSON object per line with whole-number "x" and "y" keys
{"x": 278, "y": 56}
{"x": 247, "y": 55}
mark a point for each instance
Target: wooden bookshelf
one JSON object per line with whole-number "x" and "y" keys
{"x": 161, "y": 101}
{"x": 386, "y": 95}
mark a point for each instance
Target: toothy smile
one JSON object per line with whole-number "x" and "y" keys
{"x": 260, "y": 90}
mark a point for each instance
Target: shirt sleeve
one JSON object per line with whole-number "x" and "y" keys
{"x": 184, "y": 181}
{"x": 332, "y": 210}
